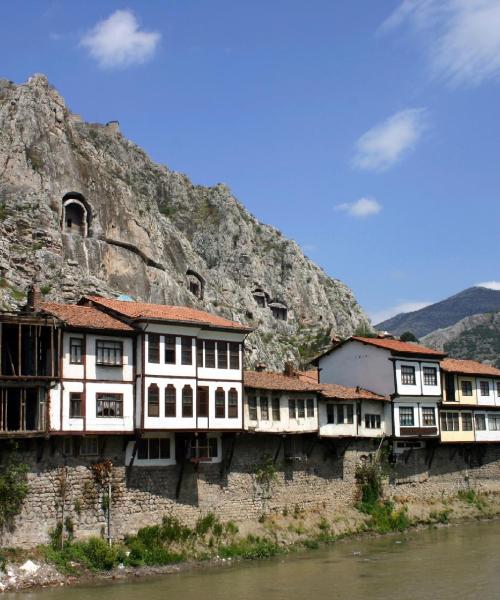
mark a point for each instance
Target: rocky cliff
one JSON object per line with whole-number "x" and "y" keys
{"x": 476, "y": 337}
{"x": 84, "y": 210}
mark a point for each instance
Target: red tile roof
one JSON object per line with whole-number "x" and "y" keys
{"x": 162, "y": 312}
{"x": 310, "y": 376}
{"x": 340, "y": 392}
{"x": 265, "y": 380}
{"x": 398, "y": 347}
{"x": 85, "y": 317}
{"x": 469, "y": 367}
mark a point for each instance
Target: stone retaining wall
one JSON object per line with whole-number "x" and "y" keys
{"x": 324, "y": 478}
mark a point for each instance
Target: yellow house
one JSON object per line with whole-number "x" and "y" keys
{"x": 470, "y": 410}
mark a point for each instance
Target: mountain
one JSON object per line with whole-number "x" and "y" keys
{"x": 472, "y": 301}
{"x": 476, "y": 337}
{"x": 85, "y": 211}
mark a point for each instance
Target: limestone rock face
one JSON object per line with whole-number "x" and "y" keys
{"x": 148, "y": 228}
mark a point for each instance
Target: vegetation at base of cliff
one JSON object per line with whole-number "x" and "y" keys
{"x": 13, "y": 490}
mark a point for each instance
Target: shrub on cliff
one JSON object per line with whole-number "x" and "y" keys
{"x": 13, "y": 490}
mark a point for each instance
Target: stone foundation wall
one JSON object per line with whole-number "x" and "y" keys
{"x": 324, "y": 478}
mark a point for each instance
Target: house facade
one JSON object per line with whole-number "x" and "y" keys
{"x": 471, "y": 402}
{"x": 188, "y": 380}
{"x": 407, "y": 373}
{"x": 353, "y": 412}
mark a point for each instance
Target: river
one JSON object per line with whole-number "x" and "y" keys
{"x": 453, "y": 563}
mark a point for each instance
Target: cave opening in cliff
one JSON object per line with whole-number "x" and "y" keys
{"x": 76, "y": 215}
{"x": 196, "y": 284}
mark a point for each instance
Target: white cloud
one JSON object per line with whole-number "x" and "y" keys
{"x": 462, "y": 37}
{"x": 386, "y": 143}
{"x": 491, "y": 285}
{"x": 364, "y": 207}
{"x": 118, "y": 42}
{"x": 378, "y": 316}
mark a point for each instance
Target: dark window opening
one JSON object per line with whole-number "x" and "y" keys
{"x": 209, "y": 354}
{"x": 186, "y": 351}
{"x": 187, "y": 401}
{"x": 153, "y": 348}
{"x": 466, "y": 388}
{"x": 276, "y": 410}
{"x": 170, "y": 401}
{"x": 170, "y": 358}
{"x": 75, "y": 405}
{"x": 109, "y": 353}
{"x": 220, "y": 403}
{"x": 203, "y": 447}
{"x": 234, "y": 356}
{"x": 222, "y": 355}
{"x": 408, "y": 375}
{"x": 153, "y": 400}
{"x": 330, "y": 414}
{"x": 153, "y": 448}
{"x": 430, "y": 376}
{"x": 232, "y": 404}
{"x": 23, "y": 409}
{"x": 252, "y": 408}
{"x": 202, "y": 402}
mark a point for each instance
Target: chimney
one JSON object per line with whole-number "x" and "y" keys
{"x": 289, "y": 371}
{"x": 34, "y": 300}
{"x": 259, "y": 367}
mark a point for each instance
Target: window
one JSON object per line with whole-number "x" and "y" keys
{"x": 186, "y": 351}
{"x": 210, "y": 354}
{"x": 170, "y": 401}
{"x": 406, "y": 416}
{"x": 199, "y": 353}
{"x": 428, "y": 416}
{"x": 204, "y": 447}
{"x": 430, "y": 376}
{"x": 466, "y": 388}
{"x": 252, "y": 408}
{"x": 222, "y": 355}
{"x": 170, "y": 358}
{"x": 345, "y": 414}
{"x": 408, "y": 375}
{"x": 76, "y": 351}
{"x": 481, "y": 422}
{"x": 485, "y": 388}
{"x": 264, "y": 408}
{"x": 109, "y": 353}
{"x": 330, "y": 413}
{"x": 187, "y": 401}
{"x": 234, "y": 356}
{"x": 449, "y": 421}
{"x": 292, "y": 414}
{"x": 232, "y": 404}
{"x": 220, "y": 403}
{"x": 202, "y": 410}
{"x": 109, "y": 405}
{"x": 372, "y": 421}
{"x": 89, "y": 446}
{"x": 310, "y": 407}
{"x": 75, "y": 405}
{"x": 153, "y": 348}
{"x": 494, "y": 422}
{"x": 466, "y": 421}
{"x": 276, "y": 408}
{"x": 301, "y": 409}
{"x": 153, "y": 448}
{"x": 498, "y": 388}
{"x": 153, "y": 400}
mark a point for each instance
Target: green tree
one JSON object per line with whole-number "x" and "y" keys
{"x": 408, "y": 336}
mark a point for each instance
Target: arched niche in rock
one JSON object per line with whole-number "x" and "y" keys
{"x": 76, "y": 214}
{"x": 196, "y": 283}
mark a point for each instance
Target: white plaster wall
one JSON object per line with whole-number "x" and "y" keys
{"x": 336, "y": 429}
{"x": 162, "y": 422}
{"x": 356, "y": 364}
{"x": 115, "y": 424}
{"x": 167, "y": 369}
{"x": 55, "y": 407}
{"x": 285, "y": 424}
{"x": 431, "y": 390}
{"x": 91, "y": 370}
{"x": 357, "y": 429}
{"x": 71, "y": 424}
{"x": 485, "y": 436}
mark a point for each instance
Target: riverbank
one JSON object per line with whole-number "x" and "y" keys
{"x": 172, "y": 547}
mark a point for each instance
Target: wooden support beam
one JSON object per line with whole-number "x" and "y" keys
{"x": 280, "y": 444}
{"x": 179, "y": 480}
{"x": 228, "y": 459}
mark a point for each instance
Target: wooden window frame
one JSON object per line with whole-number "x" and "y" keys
{"x": 430, "y": 376}
{"x": 425, "y": 414}
{"x": 113, "y": 399}
{"x": 78, "y": 402}
{"x": 154, "y": 346}
{"x": 210, "y": 356}
{"x": 252, "y": 407}
{"x": 222, "y": 354}
{"x": 310, "y": 412}
{"x": 170, "y": 346}
{"x": 466, "y": 387}
{"x": 373, "y": 421}
{"x": 187, "y": 402}
{"x": 186, "y": 350}
{"x": 264, "y": 408}
{"x": 76, "y": 342}
{"x": 153, "y": 400}
{"x": 406, "y": 422}
{"x": 220, "y": 403}
{"x": 408, "y": 375}
{"x": 234, "y": 356}
{"x": 276, "y": 408}
{"x": 114, "y": 347}
{"x": 232, "y": 404}
{"x": 169, "y": 413}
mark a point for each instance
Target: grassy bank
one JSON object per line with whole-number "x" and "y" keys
{"x": 209, "y": 539}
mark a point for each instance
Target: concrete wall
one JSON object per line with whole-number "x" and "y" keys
{"x": 142, "y": 495}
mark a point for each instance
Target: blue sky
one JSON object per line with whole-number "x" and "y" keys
{"x": 367, "y": 131}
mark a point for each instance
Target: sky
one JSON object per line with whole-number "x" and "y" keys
{"x": 369, "y": 132}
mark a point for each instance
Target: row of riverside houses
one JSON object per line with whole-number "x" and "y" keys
{"x": 170, "y": 381}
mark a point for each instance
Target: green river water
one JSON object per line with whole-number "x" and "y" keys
{"x": 461, "y": 562}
